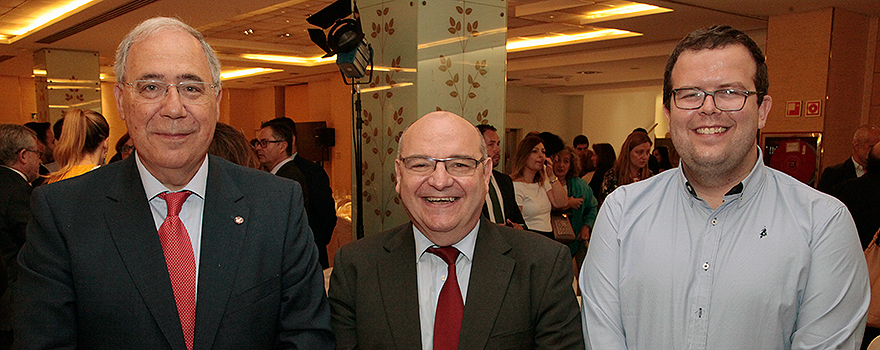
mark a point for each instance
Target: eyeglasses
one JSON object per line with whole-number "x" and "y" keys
{"x": 126, "y": 148}
{"x": 153, "y": 91}
{"x": 39, "y": 154}
{"x": 455, "y": 166}
{"x": 728, "y": 100}
{"x": 265, "y": 143}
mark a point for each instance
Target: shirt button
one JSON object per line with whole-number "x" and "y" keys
{"x": 714, "y": 222}
{"x": 705, "y": 266}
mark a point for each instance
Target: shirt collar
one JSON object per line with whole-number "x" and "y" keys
{"x": 152, "y": 186}
{"x": 465, "y": 245}
{"x": 747, "y": 188}
{"x": 23, "y": 176}
{"x": 281, "y": 164}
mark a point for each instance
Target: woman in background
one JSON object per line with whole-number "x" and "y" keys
{"x": 536, "y": 187}
{"x": 603, "y": 158}
{"x": 661, "y": 154}
{"x": 230, "y": 144}
{"x": 83, "y": 144}
{"x": 582, "y": 217}
{"x": 631, "y": 165}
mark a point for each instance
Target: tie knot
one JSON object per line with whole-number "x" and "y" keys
{"x": 448, "y": 254}
{"x": 174, "y": 201}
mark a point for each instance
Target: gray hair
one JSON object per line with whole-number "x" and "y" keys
{"x": 151, "y": 27}
{"x": 13, "y": 139}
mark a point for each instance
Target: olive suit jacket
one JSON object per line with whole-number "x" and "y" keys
{"x": 93, "y": 275}
{"x": 519, "y": 296}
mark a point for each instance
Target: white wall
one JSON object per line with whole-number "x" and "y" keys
{"x": 610, "y": 115}
{"x": 531, "y": 110}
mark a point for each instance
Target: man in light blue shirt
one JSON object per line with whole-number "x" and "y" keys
{"x": 723, "y": 252}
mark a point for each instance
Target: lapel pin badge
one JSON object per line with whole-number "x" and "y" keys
{"x": 239, "y": 220}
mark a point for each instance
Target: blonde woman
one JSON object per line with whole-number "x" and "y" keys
{"x": 83, "y": 144}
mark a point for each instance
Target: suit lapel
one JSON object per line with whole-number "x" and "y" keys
{"x": 490, "y": 275}
{"x": 222, "y": 238}
{"x": 133, "y": 231}
{"x": 399, "y": 298}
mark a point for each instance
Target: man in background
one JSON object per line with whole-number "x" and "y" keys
{"x": 19, "y": 166}
{"x": 472, "y": 284}
{"x": 862, "y": 197}
{"x": 277, "y": 152}
{"x": 865, "y": 137}
{"x": 170, "y": 248}
{"x": 47, "y": 140}
{"x": 722, "y": 252}
{"x": 582, "y": 149}
{"x": 500, "y": 205}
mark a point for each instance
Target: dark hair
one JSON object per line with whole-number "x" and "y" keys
{"x": 230, "y": 144}
{"x": 56, "y": 128}
{"x": 580, "y": 140}
{"x": 712, "y": 38}
{"x": 522, "y": 153}
{"x": 284, "y": 129}
{"x": 486, "y": 127}
{"x": 41, "y": 128}
{"x": 664, "y": 162}
{"x": 605, "y": 157}
{"x": 121, "y": 142}
{"x": 552, "y": 143}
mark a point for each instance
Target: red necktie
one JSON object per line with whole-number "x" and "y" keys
{"x": 181, "y": 263}
{"x": 450, "y": 305}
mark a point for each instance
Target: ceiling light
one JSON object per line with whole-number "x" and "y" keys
{"x": 291, "y": 60}
{"x": 514, "y": 45}
{"x": 241, "y": 73}
{"x": 620, "y": 12}
{"x": 36, "y": 17}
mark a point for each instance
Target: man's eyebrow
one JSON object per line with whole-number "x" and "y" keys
{"x": 151, "y": 76}
{"x": 190, "y": 77}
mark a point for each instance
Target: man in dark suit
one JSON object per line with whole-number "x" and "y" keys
{"x": 19, "y": 165}
{"x": 863, "y": 139}
{"x": 117, "y": 259}
{"x": 46, "y": 138}
{"x": 277, "y": 151}
{"x": 862, "y": 197}
{"x": 501, "y": 184}
{"x": 505, "y": 289}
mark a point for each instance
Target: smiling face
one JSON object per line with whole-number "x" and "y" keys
{"x": 443, "y": 207}
{"x": 712, "y": 142}
{"x": 171, "y": 135}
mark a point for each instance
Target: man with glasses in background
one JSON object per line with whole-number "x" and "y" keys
{"x": 276, "y": 149}
{"x": 722, "y": 252}
{"x": 170, "y": 248}
{"x": 447, "y": 279}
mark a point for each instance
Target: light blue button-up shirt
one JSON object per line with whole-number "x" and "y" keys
{"x": 777, "y": 266}
{"x": 432, "y": 271}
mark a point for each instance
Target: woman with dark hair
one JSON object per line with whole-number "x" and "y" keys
{"x": 124, "y": 148}
{"x": 603, "y": 158}
{"x": 230, "y": 144}
{"x": 83, "y": 144}
{"x": 566, "y": 167}
{"x": 661, "y": 154}
{"x": 536, "y": 187}
{"x": 631, "y": 165}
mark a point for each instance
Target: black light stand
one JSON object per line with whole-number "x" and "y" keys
{"x": 357, "y": 127}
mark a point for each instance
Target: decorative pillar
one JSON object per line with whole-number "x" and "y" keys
{"x": 429, "y": 55}
{"x": 72, "y": 79}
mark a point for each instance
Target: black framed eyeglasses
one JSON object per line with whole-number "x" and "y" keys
{"x": 126, "y": 148}
{"x": 728, "y": 100}
{"x": 265, "y": 143}
{"x": 39, "y": 153}
{"x": 455, "y": 166}
{"x": 153, "y": 91}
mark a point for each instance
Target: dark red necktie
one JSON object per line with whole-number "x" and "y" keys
{"x": 450, "y": 305}
{"x": 181, "y": 263}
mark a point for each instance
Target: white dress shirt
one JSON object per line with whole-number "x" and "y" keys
{"x": 432, "y": 274}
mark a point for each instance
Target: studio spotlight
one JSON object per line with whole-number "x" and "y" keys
{"x": 345, "y": 37}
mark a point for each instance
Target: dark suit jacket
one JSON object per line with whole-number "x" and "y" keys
{"x": 15, "y": 211}
{"x": 862, "y": 197}
{"x": 93, "y": 275}
{"x": 519, "y": 297}
{"x": 319, "y": 202}
{"x": 836, "y": 174}
{"x": 508, "y": 199}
